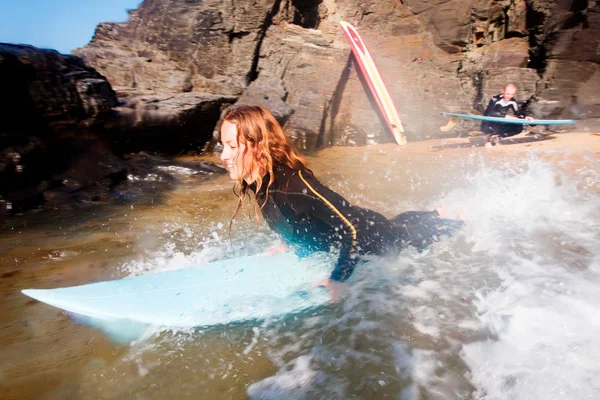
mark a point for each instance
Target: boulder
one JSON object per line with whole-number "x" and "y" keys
{"x": 174, "y": 46}
{"x": 52, "y": 110}
{"x": 168, "y": 123}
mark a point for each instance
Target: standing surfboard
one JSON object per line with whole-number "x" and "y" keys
{"x": 373, "y": 78}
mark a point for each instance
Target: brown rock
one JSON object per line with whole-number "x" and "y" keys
{"x": 52, "y": 108}
{"x": 448, "y": 21}
{"x": 566, "y": 52}
{"x": 169, "y": 123}
{"x": 513, "y": 52}
{"x": 269, "y": 94}
{"x": 206, "y": 46}
{"x": 54, "y": 88}
{"x": 517, "y": 18}
{"x": 309, "y": 68}
{"x": 570, "y": 90}
{"x": 434, "y": 55}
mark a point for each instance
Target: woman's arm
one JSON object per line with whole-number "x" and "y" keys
{"x": 329, "y": 207}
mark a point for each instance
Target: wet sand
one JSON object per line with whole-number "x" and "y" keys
{"x": 522, "y": 142}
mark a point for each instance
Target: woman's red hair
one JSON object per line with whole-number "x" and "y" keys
{"x": 258, "y": 129}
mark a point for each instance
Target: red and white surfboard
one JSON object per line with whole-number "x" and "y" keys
{"x": 374, "y": 81}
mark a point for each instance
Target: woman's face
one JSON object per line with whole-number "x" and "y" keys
{"x": 237, "y": 163}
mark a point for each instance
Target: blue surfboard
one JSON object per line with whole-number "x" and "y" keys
{"x": 221, "y": 292}
{"x": 513, "y": 121}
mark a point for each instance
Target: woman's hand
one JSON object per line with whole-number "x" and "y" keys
{"x": 276, "y": 249}
{"x": 336, "y": 289}
{"x": 528, "y": 118}
{"x": 461, "y": 215}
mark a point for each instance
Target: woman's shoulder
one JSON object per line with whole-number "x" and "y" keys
{"x": 292, "y": 178}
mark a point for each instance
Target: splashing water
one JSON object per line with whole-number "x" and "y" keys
{"x": 509, "y": 308}
{"x": 541, "y": 234}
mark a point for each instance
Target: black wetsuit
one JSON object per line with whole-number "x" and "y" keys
{"x": 498, "y": 107}
{"x": 311, "y": 217}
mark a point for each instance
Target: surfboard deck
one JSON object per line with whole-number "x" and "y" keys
{"x": 376, "y": 85}
{"x": 221, "y": 292}
{"x": 512, "y": 121}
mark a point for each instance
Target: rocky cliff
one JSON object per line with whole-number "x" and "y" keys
{"x": 63, "y": 133}
{"x": 435, "y": 55}
{"x": 52, "y": 110}
{"x": 177, "y": 64}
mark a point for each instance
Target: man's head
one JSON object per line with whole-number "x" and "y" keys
{"x": 509, "y": 91}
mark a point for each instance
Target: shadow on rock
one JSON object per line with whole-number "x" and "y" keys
{"x": 479, "y": 141}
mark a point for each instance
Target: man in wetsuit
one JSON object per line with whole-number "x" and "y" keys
{"x": 311, "y": 217}
{"x": 500, "y": 106}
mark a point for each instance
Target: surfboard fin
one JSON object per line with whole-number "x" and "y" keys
{"x": 448, "y": 127}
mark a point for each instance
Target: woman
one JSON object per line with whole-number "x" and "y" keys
{"x": 309, "y": 216}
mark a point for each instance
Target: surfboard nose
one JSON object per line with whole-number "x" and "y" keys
{"x": 37, "y": 294}
{"x": 29, "y": 292}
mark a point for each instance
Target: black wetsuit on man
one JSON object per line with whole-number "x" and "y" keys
{"x": 498, "y": 107}
{"x": 311, "y": 217}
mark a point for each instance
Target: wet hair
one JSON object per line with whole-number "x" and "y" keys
{"x": 257, "y": 128}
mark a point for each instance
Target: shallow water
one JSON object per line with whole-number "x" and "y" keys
{"x": 507, "y": 309}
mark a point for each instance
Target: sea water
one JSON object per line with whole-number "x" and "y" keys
{"x": 508, "y": 308}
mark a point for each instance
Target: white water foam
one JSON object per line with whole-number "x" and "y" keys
{"x": 540, "y": 229}
{"x": 508, "y": 309}
{"x": 186, "y": 245}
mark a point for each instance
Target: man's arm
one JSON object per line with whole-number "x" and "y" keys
{"x": 489, "y": 108}
{"x": 518, "y": 112}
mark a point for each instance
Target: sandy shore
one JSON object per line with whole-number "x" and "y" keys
{"x": 573, "y": 144}
{"x": 524, "y": 142}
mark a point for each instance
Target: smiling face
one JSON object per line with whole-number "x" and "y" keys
{"x": 236, "y": 155}
{"x": 509, "y": 92}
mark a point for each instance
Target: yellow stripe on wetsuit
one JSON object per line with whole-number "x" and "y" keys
{"x": 352, "y": 228}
